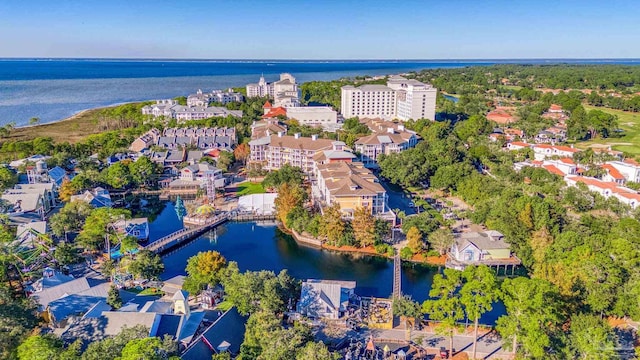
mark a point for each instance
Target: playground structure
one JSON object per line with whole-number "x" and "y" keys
{"x": 31, "y": 254}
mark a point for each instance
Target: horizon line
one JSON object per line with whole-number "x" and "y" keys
{"x": 323, "y": 60}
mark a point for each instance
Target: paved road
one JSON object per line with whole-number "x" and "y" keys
{"x": 398, "y": 200}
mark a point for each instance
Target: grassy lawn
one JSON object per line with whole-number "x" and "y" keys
{"x": 249, "y": 188}
{"x": 146, "y": 291}
{"x": 629, "y": 142}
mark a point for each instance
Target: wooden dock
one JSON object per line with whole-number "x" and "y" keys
{"x": 182, "y": 236}
{"x": 163, "y": 244}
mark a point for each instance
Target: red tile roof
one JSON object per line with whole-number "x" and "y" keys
{"x": 613, "y": 172}
{"x": 267, "y": 105}
{"x": 567, "y": 161}
{"x": 520, "y": 143}
{"x": 275, "y": 112}
{"x": 631, "y": 162}
{"x": 554, "y": 170}
{"x": 555, "y": 107}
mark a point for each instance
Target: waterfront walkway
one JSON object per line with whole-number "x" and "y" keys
{"x": 202, "y": 225}
{"x": 165, "y": 243}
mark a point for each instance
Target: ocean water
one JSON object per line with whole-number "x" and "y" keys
{"x": 52, "y": 90}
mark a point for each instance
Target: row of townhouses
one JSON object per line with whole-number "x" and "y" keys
{"x": 222, "y": 138}
{"x": 202, "y": 99}
{"x": 171, "y": 109}
{"x": 401, "y": 98}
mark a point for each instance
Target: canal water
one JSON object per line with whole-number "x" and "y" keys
{"x": 256, "y": 246}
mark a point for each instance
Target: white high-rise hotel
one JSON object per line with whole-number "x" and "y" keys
{"x": 400, "y": 99}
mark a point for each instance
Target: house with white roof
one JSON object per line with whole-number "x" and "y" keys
{"x": 325, "y": 299}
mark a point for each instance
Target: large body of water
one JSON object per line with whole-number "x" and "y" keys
{"x": 56, "y": 89}
{"x": 263, "y": 247}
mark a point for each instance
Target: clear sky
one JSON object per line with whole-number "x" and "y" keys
{"x": 341, "y": 29}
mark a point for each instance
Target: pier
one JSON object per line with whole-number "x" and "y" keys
{"x": 201, "y": 226}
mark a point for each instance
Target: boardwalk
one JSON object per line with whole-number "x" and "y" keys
{"x": 397, "y": 273}
{"x": 202, "y": 225}
{"x": 163, "y": 244}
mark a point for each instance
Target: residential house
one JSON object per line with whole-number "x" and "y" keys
{"x": 163, "y": 317}
{"x": 501, "y": 115}
{"x": 170, "y": 109}
{"x": 145, "y": 141}
{"x": 160, "y": 108}
{"x": 351, "y": 186}
{"x": 37, "y": 198}
{"x": 544, "y": 151}
{"x": 325, "y": 299}
{"x": 60, "y": 297}
{"x": 561, "y": 167}
{"x": 386, "y": 138}
{"x": 612, "y": 174}
{"x": 478, "y": 248}
{"x": 98, "y": 197}
{"x": 226, "y": 334}
{"x": 554, "y": 134}
{"x": 629, "y": 168}
{"x": 216, "y": 96}
{"x": 136, "y": 227}
{"x": 518, "y": 145}
{"x": 607, "y": 189}
{"x": 27, "y": 232}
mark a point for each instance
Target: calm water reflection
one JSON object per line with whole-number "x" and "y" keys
{"x": 265, "y": 247}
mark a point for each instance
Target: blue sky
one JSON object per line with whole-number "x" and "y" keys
{"x": 278, "y": 29}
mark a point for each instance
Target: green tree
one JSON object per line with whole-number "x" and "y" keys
{"x": 591, "y": 338}
{"x": 150, "y": 348}
{"x": 146, "y": 265}
{"x": 7, "y": 178}
{"x": 40, "y": 347}
{"x": 363, "y": 227}
{"x": 113, "y": 298}
{"x": 405, "y": 306}
{"x": 17, "y": 318}
{"x": 445, "y": 305}
{"x": 98, "y": 225}
{"x": 34, "y": 121}
{"x": 316, "y": 351}
{"x": 414, "y": 240}
{"x": 477, "y": 295}
{"x": 128, "y": 244}
{"x": 142, "y": 170}
{"x": 533, "y": 314}
{"x": 70, "y": 218}
{"x": 286, "y": 174}
{"x": 117, "y": 175}
{"x": 111, "y": 347}
{"x": 441, "y": 240}
{"x": 66, "y": 253}
{"x": 332, "y": 226}
{"x": 203, "y": 269}
{"x": 289, "y": 197}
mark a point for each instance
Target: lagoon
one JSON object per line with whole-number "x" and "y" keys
{"x": 257, "y": 246}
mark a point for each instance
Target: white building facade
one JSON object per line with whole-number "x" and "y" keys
{"x": 401, "y": 98}
{"x": 322, "y": 116}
